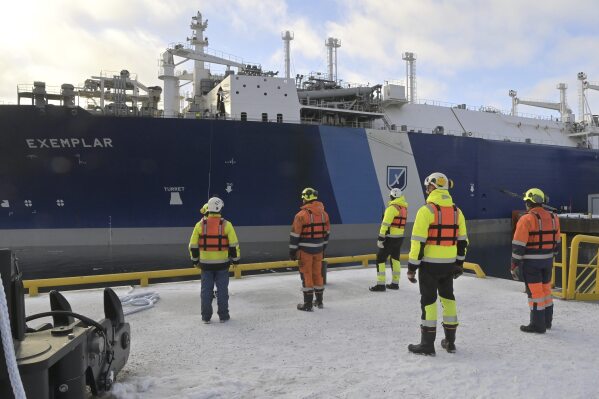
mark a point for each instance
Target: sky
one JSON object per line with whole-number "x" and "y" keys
{"x": 468, "y": 51}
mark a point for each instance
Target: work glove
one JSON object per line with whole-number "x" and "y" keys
{"x": 292, "y": 254}
{"x": 458, "y": 270}
{"x": 515, "y": 271}
{"x": 195, "y": 263}
{"x": 412, "y": 273}
{"x": 380, "y": 242}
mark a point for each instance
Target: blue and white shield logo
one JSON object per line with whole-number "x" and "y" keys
{"x": 397, "y": 177}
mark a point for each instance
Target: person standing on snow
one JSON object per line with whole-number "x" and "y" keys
{"x": 213, "y": 246}
{"x": 438, "y": 249}
{"x": 389, "y": 242}
{"x": 307, "y": 241}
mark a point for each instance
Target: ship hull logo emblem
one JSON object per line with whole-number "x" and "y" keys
{"x": 397, "y": 177}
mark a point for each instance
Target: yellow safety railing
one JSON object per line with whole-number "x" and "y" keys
{"x": 144, "y": 278}
{"x": 563, "y": 264}
{"x": 588, "y": 277}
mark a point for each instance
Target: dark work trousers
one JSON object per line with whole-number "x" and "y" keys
{"x": 435, "y": 278}
{"x": 392, "y": 248}
{"x": 210, "y": 278}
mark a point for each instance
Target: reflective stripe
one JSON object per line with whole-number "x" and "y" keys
{"x": 308, "y": 289}
{"x": 536, "y": 300}
{"x": 462, "y": 238}
{"x": 429, "y": 323}
{"x": 386, "y": 224}
{"x": 213, "y": 261}
{"x": 396, "y": 274}
{"x": 319, "y": 288}
{"x": 538, "y": 307}
{"x": 192, "y": 258}
{"x": 515, "y": 256}
{"x": 414, "y": 261}
{"x": 417, "y": 238}
{"x": 540, "y": 256}
{"x": 292, "y": 246}
{"x": 394, "y": 235}
{"x": 450, "y": 319}
{"x": 438, "y": 260}
{"x": 233, "y": 244}
{"x": 520, "y": 243}
{"x": 236, "y": 259}
{"x": 292, "y": 234}
{"x": 460, "y": 257}
{"x": 194, "y": 245}
{"x": 310, "y": 245}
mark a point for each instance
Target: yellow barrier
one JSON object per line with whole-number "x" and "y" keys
{"x": 144, "y": 278}
{"x": 571, "y": 288}
{"x": 564, "y": 266}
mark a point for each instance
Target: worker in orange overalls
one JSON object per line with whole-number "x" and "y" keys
{"x": 536, "y": 241}
{"x": 307, "y": 241}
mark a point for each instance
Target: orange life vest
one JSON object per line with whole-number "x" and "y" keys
{"x": 445, "y": 229}
{"x": 400, "y": 220}
{"x": 316, "y": 228}
{"x": 212, "y": 237}
{"x": 546, "y": 235}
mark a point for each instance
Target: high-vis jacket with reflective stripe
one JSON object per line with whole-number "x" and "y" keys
{"x": 214, "y": 241}
{"x": 394, "y": 219}
{"x": 537, "y": 237}
{"x": 439, "y": 234}
{"x": 310, "y": 229}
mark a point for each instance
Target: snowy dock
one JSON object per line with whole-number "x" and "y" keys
{"x": 356, "y": 347}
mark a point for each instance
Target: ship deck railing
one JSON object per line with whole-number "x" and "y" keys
{"x": 144, "y": 277}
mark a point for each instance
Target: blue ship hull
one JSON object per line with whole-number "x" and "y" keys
{"x": 109, "y": 193}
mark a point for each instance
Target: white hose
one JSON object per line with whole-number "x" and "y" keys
{"x": 138, "y": 302}
{"x": 9, "y": 350}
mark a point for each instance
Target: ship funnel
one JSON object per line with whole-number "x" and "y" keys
{"x": 287, "y": 37}
{"x": 410, "y": 59}
{"x": 332, "y": 44}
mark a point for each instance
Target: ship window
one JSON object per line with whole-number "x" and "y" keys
{"x": 279, "y": 87}
{"x": 244, "y": 116}
{"x": 265, "y": 93}
{"x": 264, "y": 117}
{"x": 258, "y": 86}
{"x": 244, "y": 85}
{"x": 237, "y": 92}
{"x": 285, "y": 94}
{"x": 279, "y": 118}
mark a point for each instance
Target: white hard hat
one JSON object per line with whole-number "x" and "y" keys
{"x": 215, "y": 204}
{"x": 395, "y": 193}
{"x": 439, "y": 180}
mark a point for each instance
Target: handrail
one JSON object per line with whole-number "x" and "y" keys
{"x": 144, "y": 277}
{"x": 573, "y": 266}
{"x": 564, "y": 265}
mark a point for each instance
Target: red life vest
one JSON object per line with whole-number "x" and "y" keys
{"x": 546, "y": 235}
{"x": 316, "y": 228}
{"x": 212, "y": 237}
{"x": 400, "y": 220}
{"x": 444, "y": 230}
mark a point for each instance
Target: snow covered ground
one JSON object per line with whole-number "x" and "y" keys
{"x": 354, "y": 348}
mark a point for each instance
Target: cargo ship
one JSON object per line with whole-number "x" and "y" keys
{"x": 111, "y": 175}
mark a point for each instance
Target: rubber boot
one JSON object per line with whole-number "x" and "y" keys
{"x": 307, "y": 305}
{"x": 448, "y": 343}
{"x": 318, "y": 301}
{"x": 427, "y": 342}
{"x": 378, "y": 288}
{"x": 392, "y": 286}
{"x": 537, "y": 322}
{"x": 548, "y": 317}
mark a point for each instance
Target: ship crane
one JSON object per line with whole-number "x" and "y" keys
{"x": 561, "y": 106}
{"x": 589, "y": 123}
